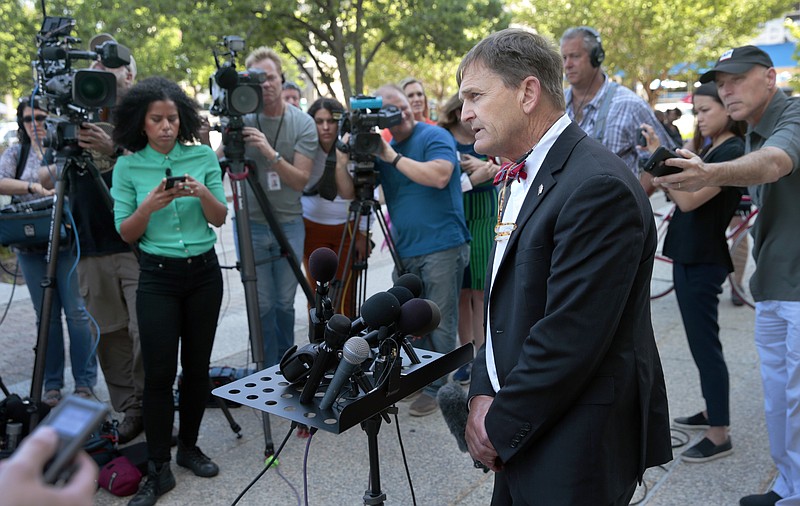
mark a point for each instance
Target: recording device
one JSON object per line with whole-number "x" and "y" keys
{"x": 171, "y": 180}
{"x": 355, "y": 351}
{"x": 70, "y": 94}
{"x": 337, "y": 331}
{"x": 235, "y": 93}
{"x": 380, "y": 310}
{"x": 74, "y": 418}
{"x": 453, "y": 402}
{"x": 366, "y": 113}
{"x": 322, "y": 265}
{"x": 656, "y": 166}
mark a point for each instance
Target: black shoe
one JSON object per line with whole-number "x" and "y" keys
{"x": 194, "y": 459}
{"x": 698, "y": 421}
{"x": 706, "y": 450}
{"x": 131, "y": 426}
{"x": 768, "y": 499}
{"x": 159, "y": 481}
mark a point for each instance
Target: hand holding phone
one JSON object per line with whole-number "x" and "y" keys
{"x": 74, "y": 419}
{"x": 655, "y": 165}
{"x": 171, "y": 180}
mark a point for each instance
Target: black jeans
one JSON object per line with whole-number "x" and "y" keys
{"x": 178, "y": 299}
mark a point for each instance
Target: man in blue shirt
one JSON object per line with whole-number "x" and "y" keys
{"x": 419, "y": 174}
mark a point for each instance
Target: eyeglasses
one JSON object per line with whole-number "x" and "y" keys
{"x": 39, "y": 118}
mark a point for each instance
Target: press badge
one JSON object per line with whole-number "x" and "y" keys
{"x": 273, "y": 181}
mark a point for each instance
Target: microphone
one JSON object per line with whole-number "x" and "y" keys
{"x": 381, "y": 309}
{"x": 410, "y": 281}
{"x": 436, "y": 317}
{"x": 452, "y": 401}
{"x": 402, "y": 294}
{"x": 227, "y": 77}
{"x": 322, "y": 265}
{"x": 336, "y": 332}
{"x": 356, "y": 350}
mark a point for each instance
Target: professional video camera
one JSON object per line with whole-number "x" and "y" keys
{"x": 235, "y": 94}
{"x": 72, "y": 94}
{"x": 366, "y": 113}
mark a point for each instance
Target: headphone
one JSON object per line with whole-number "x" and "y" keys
{"x": 598, "y": 54}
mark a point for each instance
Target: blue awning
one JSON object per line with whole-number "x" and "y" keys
{"x": 782, "y": 54}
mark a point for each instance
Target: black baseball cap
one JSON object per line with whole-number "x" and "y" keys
{"x": 738, "y": 61}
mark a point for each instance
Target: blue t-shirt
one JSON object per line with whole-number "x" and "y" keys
{"x": 424, "y": 219}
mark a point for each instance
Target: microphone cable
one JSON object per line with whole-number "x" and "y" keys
{"x": 405, "y": 460}
{"x": 311, "y": 432}
{"x": 272, "y": 460}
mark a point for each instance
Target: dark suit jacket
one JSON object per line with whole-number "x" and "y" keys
{"x": 582, "y": 408}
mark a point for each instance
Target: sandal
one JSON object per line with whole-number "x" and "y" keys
{"x": 84, "y": 392}
{"x": 52, "y": 398}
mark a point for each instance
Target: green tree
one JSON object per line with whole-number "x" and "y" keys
{"x": 19, "y": 47}
{"x": 645, "y": 40}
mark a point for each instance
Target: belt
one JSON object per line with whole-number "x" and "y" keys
{"x": 203, "y": 257}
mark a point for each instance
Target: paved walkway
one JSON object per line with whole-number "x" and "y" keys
{"x": 337, "y": 466}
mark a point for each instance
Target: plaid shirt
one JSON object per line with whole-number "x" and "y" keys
{"x": 625, "y": 115}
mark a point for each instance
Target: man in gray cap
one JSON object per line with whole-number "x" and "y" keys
{"x": 747, "y": 86}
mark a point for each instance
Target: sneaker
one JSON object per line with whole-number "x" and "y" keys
{"x": 768, "y": 499}
{"x": 131, "y": 426}
{"x": 706, "y": 450}
{"x": 84, "y": 392}
{"x": 195, "y": 460}
{"x": 698, "y": 421}
{"x": 424, "y": 405}
{"x": 160, "y": 480}
{"x": 52, "y": 398}
{"x": 463, "y": 374}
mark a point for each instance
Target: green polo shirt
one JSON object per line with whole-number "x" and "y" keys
{"x": 180, "y": 230}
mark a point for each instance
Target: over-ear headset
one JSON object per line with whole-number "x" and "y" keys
{"x": 598, "y": 54}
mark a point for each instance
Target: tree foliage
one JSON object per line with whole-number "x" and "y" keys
{"x": 646, "y": 39}
{"x": 340, "y": 39}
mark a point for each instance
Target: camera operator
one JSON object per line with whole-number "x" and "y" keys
{"x": 421, "y": 183}
{"x": 282, "y": 142}
{"x": 20, "y": 176}
{"x": 108, "y": 271}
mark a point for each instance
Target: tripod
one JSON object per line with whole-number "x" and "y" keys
{"x": 239, "y": 169}
{"x": 355, "y": 271}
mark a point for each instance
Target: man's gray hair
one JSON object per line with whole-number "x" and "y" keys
{"x": 515, "y": 54}
{"x": 590, "y": 40}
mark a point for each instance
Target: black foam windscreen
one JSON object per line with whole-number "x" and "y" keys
{"x": 436, "y": 317}
{"x": 412, "y": 282}
{"x": 415, "y": 315}
{"x": 381, "y": 309}
{"x": 227, "y": 77}
{"x": 322, "y": 264}
{"x": 402, "y": 293}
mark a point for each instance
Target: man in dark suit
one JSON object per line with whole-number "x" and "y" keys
{"x": 567, "y": 401}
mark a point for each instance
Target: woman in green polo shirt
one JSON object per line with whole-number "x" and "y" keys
{"x": 180, "y": 285}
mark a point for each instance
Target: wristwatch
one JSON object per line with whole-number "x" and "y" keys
{"x": 396, "y": 159}
{"x": 277, "y": 158}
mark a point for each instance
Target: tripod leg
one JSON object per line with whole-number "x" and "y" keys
{"x": 221, "y": 404}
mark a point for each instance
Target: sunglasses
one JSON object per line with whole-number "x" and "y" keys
{"x": 39, "y": 118}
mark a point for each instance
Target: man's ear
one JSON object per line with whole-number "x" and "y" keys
{"x": 531, "y": 92}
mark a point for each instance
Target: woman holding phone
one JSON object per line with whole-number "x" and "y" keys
{"x": 697, "y": 246}
{"x": 180, "y": 284}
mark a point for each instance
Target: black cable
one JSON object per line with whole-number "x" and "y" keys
{"x": 267, "y": 465}
{"x": 405, "y": 461}
{"x": 679, "y": 437}
{"x": 10, "y": 297}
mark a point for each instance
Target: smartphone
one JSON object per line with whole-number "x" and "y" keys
{"x": 655, "y": 165}
{"x": 171, "y": 180}
{"x": 74, "y": 418}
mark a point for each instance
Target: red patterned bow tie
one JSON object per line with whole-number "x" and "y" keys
{"x": 512, "y": 171}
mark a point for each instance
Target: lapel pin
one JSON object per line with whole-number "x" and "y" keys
{"x": 541, "y": 189}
